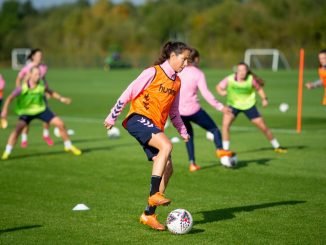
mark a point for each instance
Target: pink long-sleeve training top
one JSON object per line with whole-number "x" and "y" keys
{"x": 192, "y": 80}
{"x": 137, "y": 86}
{"x": 42, "y": 67}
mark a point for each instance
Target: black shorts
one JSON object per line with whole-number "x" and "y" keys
{"x": 142, "y": 128}
{"x": 45, "y": 116}
{"x": 251, "y": 113}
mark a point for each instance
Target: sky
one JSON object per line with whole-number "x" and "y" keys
{"x": 39, "y": 4}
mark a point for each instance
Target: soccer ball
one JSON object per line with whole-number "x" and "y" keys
{"x": 179, "y": 221}
{"x": 56, "y": 132}
{"x": 229, "y": 162}
{"x": 114, "y": 132}
{"x": 175, "y": 139}
{"x": 209, "y": 136}
{"x": 284, "y": 107}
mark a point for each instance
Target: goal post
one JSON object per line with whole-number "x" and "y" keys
{"x": 251, "y": 56}
{"x": 19, "y": 57}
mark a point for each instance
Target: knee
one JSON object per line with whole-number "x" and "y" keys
{"x": 167, "y": 148}
{"x": 59, "y": 124}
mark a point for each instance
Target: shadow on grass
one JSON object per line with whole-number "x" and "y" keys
{"x": 58, "y": 141}
{"x": 244, "y": 163}
{"x": 196, "y": 231}
{"x": 51, "y": 153}
{"x": 26, "y": 227}
{"x": 241, "y": 163}
{"x": 299, "y": 147}
{"x": 229, "y": 213}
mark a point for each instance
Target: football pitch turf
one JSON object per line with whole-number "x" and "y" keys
{"x": 268, "y": 198}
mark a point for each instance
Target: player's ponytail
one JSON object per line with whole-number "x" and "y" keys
{"x": 194, "y": 57}
{"x": 170, "y": 47}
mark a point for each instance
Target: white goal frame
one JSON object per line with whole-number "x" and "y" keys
{"x": 19, "y": 57}
{"x": 277, "y": 56}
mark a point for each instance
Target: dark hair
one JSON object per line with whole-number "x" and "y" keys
{"x": 193, "y": 55}
{"x": 34, "y": 51}
{"x": 259, "y": 80}
{"x": 323, "y": 51}
{"x": 168, "y": 48}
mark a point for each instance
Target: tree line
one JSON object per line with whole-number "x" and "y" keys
{"x": 83, "y": 34}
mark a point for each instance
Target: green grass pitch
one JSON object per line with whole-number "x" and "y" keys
{"x": 268, "y": 199}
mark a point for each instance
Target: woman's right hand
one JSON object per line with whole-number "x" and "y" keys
{"x": 107, "y": 125}
{"x": 309, "y": 85}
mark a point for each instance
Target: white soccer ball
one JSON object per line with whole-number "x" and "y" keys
{"x": 229, "y": 162}
{"x": 70, "y": 132}
{"x": 284, "y": 107}
{"x": 114, "y": 132}
{"x": 179, "y": 221}
{"x": 56, "y": 132}
{"x": 175, "y": 139}
{"x": 209, "y": 136}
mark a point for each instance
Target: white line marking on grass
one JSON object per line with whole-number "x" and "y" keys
{"x": 233, "y": 128}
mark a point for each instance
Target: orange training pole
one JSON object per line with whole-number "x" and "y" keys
{"x": 300, "y": 87}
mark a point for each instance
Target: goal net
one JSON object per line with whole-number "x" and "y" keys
{"x": 19, "y": 57}
{"x": 266, "y": 58}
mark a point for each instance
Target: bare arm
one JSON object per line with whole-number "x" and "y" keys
{"x": 221, "y": 91}
{"x": 5, "y": 107}
{"x": 263, "y": 96}
{"x": 56, "y": 95}
{"x": 62, "y": 99}
{"x": 315, "y": 84}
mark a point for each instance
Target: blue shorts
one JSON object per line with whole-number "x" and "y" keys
{"x": 142, "y": 128}
{"x": 251, "y": 113}
{"x": 45, "y": 116}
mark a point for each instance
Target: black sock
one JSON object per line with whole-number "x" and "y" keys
{"x": 155, "y": 184}
{"x": 149, "y": 210}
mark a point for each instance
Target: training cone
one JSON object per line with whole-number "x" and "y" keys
{"x": 80, "y": 207}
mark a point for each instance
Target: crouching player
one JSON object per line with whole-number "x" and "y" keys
{"x": 31, "y": 105}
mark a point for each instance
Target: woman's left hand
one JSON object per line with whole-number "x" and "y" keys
{"x": 264, "y": 102}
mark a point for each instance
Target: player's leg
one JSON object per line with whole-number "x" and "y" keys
{"x": 46, "y": 134}
{"x": 68, "y": 146}
{"x": 202, "y": 119}
{"x": 13, "y": 138}
{"x": 166, "y": 175}
{"x": 49, "y": 117}
{"x": 149, "y": 217}
{"x": 163, "y": 144}
{"x": 227, "y": 121}
{"x": 24, "y": 137}
{"x": 190, "y": 146}
{"x": 157, "y": 147}
{"x": 259, "y": 122}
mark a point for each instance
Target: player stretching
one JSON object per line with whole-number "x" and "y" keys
{"x": 31, "y": 105}
{"x": 240, "y": 89}
{"x": 154, "y": 96}
{"x": 193, "y": 79}
{"x": 322, "y": 75}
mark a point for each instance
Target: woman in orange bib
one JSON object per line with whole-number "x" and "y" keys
{"x": 154, "y": 96}
{"x": 322, "y": 75}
